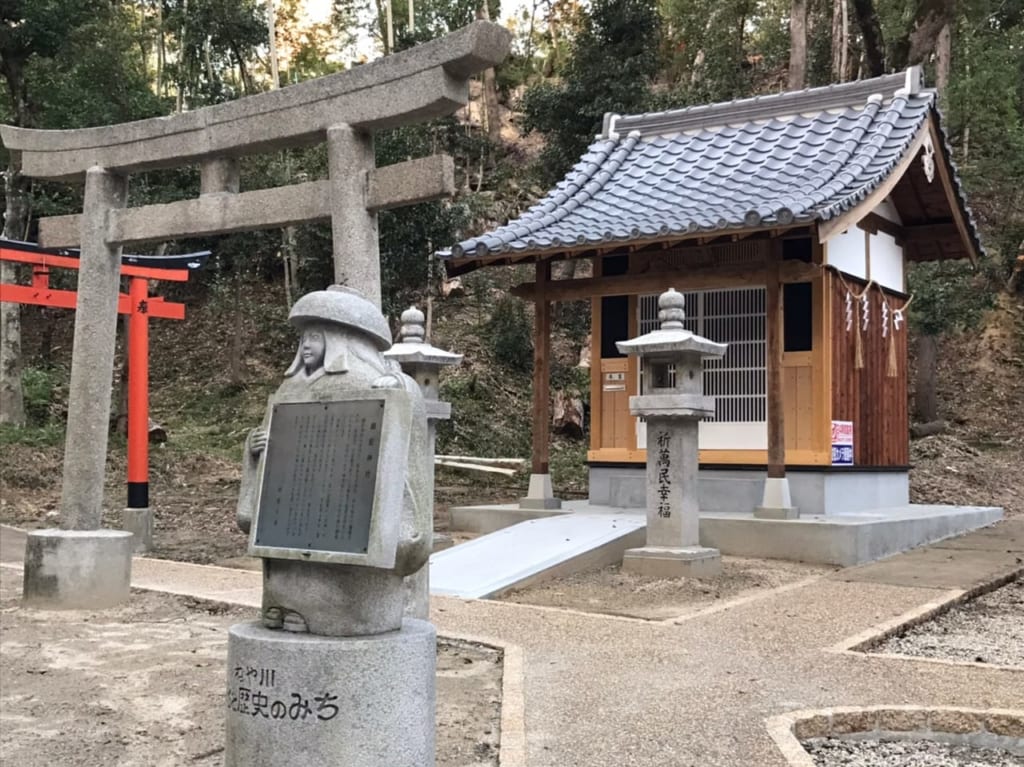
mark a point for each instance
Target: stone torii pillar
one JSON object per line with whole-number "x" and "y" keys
{"x": 423, "y": 363}
{"x": 671, "y": 358}
{"x": 81, "y": 565}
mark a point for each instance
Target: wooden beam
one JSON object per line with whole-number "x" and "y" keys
{"x": 773, "y": 361}
{"x": 541, "y": 375}
{"x": 947, "y": 185}
{"x": 656, "y": 282}
{"x": 931, "y": 232}
{"x": 827, "y": 229}
{"x": 874, "y": 223}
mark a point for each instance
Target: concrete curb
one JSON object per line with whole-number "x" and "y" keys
{"x": 1000, "y": 726}
{"x": 512, "y": 738}
{"x": 860, "y": 644}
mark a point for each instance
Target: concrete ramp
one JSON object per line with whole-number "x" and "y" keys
{"x": 534, "y": 550}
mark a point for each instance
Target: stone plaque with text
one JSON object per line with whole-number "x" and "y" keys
{"x": 319, "y": 483}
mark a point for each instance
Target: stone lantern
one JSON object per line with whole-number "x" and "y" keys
{"x": 673, "y": 403}
{"x": 422, "y": 362}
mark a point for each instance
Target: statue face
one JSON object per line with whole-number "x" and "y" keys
{"x": 312, "y": 349}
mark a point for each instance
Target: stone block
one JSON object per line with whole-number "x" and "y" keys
{"x": 355, "y": 701}
{"x": 817, "y": 726}
{"x": 77, "y": 569}
{"x": 956, "y": 722}
{"x": 664, "y": 562}
{"x": 854, "y": 721}
{"x": 903, "y": 720}
{"x": 139, "y": 522}
{"x": 1005, "y": 725}
{"x": 540, "y": 495}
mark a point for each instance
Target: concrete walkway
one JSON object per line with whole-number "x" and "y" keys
{"x": 695, "y": 691}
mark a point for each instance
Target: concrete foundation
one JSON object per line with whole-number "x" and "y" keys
{"x": 540, "y": 495}
{"x": 838, "y": 491}
{"x": 313, "y": 700}
{"x": 776, "y": 502}
{"x": 664, "y": 562}
{"x": 77, "y": 569}
{"x": 139, "y": 522}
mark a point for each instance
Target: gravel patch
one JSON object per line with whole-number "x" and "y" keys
{"x": 987, "y": 629}
{"x": 834, "y": 752}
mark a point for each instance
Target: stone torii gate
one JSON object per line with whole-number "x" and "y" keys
{"x": 81, "y": 565}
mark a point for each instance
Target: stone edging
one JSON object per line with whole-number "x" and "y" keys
{"x": 860, "y": 644}
{"x": 512, "y": 737}
{"x": 891, "y": 723}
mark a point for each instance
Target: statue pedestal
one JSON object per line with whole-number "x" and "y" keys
{"x": 364, "y": 701}
{"x": 670, "y": 562}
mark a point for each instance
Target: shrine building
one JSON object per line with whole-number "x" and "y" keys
{"x": 788, "y": 222}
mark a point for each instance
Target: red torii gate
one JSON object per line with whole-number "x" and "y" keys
{"x": 137, "y": 304}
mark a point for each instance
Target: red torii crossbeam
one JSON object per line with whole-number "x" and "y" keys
{"x": 137, "y": 304}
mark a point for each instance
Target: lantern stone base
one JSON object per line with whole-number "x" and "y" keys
{"x": 672, "y": 562}
{"x": 320, "y": 700}
{"x": 77, "y": 569}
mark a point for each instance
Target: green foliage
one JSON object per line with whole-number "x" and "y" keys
{"x": 48, "y": 435}
{"x": 39, "y": 387}
{"x": 610, "y": 68}
{"x": 948, "y": 295}
{"x": 510, "y": 335}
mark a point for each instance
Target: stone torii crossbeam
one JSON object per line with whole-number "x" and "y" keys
{"x": 343, "y": 110}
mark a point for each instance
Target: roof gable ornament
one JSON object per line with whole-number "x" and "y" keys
{"x": 928, "y": 158}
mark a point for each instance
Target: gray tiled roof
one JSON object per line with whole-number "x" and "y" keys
{"x": 769, "y": 161}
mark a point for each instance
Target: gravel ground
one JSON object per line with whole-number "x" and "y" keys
{"x": 833, "y": 752}
{"x": 988, "y": 629}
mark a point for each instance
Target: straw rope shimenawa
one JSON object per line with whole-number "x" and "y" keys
{"x": 892, "y": 318}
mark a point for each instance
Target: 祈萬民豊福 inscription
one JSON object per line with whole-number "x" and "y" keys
{"x": 320, "y": 476}
{"x": 664, "y": 466}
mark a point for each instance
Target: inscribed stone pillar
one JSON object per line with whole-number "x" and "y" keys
{"x": 673, "y": 402}
{"x": 353, "y": 227}
{"x": 85, "y": 448}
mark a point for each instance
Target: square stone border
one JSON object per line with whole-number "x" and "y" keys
{"x": 860, "y": 644}
{"x": 966, "y": 725}
{"x": 512, "y": 736}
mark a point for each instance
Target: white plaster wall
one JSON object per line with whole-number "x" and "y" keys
{"x": 888, "y": 211}
{"x": 846, "y": 252}
{"x": 886, "y": 261}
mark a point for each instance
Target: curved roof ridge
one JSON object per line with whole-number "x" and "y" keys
{"x": 754, "y": 108}
{"x": 558, "y": 204}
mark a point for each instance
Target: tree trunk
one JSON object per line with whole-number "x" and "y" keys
{"x": 491, "y": 113}
{"x": 871, "y": 32}
{"x": 931, "y": 18}
{"x": 798, "y": 45}
{"x": 12, "y": 400}
{"x": 943, "y": 54}
{"x": 840, "y": 41}
{"x": 926, "y": 406}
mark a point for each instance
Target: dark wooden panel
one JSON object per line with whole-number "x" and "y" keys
{"x": 875, "y": 401}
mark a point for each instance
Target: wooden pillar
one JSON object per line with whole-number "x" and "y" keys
{"x": 541, "y": 372}
{"x": 773, "y": 362}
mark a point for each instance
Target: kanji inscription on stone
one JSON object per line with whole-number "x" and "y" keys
{"x": 320, "y": 476}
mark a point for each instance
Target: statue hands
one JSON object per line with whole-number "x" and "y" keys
{"x": 257, "y": 442}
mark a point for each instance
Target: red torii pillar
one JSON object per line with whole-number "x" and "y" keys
{"x": 139, "y": 306}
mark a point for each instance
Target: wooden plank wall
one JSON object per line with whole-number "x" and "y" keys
{"x": 876, "y": 403}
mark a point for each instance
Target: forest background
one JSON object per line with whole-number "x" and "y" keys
{"x": 78, "y": 63}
